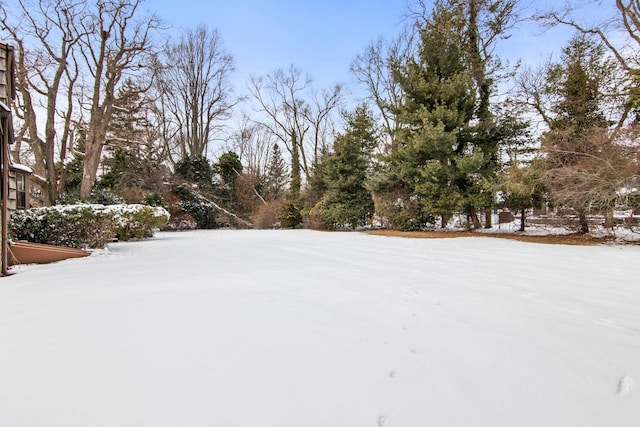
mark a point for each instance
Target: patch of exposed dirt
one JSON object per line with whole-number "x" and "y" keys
{"x": 552, "y": 239}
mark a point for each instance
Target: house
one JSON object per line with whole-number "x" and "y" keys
{"x": 19, "y": 177}
{"x": 14, "y": 179}
{"x": 7, "y": 95}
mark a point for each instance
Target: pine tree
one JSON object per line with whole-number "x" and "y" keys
{"x": 520, "y": 181}
{"x": 290, "y": 215}
{"x": 434, "y": 159}
{"x": 276, "y": 177}
{"x": 522, "y": 189}
{"x": 347, "y": 201}
{"x": 578, "y": 128}
{"x": 71, "y": 174}
{"x": 229, "y": 168}
{"x": 447, "y": 155}
{"x": 132, "y": 158}
{"x": 317, "y": 185}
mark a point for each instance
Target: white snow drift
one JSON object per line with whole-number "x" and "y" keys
{"x": 309, "y": 329}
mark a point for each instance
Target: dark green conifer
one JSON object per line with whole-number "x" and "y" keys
{"x": 343, "y": 173}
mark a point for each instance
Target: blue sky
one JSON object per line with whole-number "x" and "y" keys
{"x": 323, "y": 37}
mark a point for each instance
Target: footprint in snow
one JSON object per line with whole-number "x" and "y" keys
{"x": 624, "y": 385}
{"x": 606, "y": 322}
{"x": 533, "y": 296}
{"x": 382, "y": 421}
{"x": 570, "y": 310}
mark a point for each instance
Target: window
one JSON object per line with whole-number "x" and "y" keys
{"x": 21, "y": 191}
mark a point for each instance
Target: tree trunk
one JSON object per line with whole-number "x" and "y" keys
{"x": 523, "y": 217}
{"x": 93, "y": 152}
{"x": 608, "y": 220}
{"x": 472, "y": 216}
{"x": 584, "y": 223}
{"x": 444, "y": 220}
{"x": 52, "y": 176}
{"x": 488, "y": 218}
{"x": 296, "y": 180}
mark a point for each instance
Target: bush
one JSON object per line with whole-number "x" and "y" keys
{"x": 190, "y": 202}
{"x": 86, "y": 226}
{"x": 290, "y": 216}
{"x": 266, "y": 216}
{"x": 181, "y": 221}
{"x": 401, "y": 211}
{"x": 341, "y": 210}
{"x": 137, "y": 221}
{"x": 195, "y": 169}
{"x": 154, "y": 198}
{"x": 104, "y": 197}
{"x": 98, "y": 197}
{"x": 403, "y": 222}
{"x": 75, "y": 226}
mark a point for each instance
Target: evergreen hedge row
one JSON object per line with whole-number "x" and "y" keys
{"x": 86, "y": 226}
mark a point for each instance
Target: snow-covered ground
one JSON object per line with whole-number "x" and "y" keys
{"x": 310, "y": 329}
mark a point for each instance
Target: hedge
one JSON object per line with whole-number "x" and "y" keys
{"x": 86, "y": 226}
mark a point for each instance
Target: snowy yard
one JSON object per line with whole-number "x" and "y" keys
{"x": 310, "y": 329}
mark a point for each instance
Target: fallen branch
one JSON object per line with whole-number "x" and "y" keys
{"x": 254, "y": 188}
{"x": 215, "y": 205}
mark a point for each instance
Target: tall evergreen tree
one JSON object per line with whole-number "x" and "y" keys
{"x": 578, "y": 125}
{"x": 447, "y": 155}
{"x": 344, "y": 173}
{"x": 433, "y": 159}
{"x": 133, "y": 157}
{"x": 229, "y": 168}
{"x": 276, "y": 177}
{"x": 290, "y": 216}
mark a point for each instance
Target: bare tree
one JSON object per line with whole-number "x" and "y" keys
{"x": 596, "y": 173}
{"x": 618, "y": 28}
{"x": 45, "y": 34}
{"x": 320, "y": 118}
{"x": 114, "y": 44}
{"x": 580, "y": 151}
{"x": 531, "y": 93}
{"x": 253, "y": 143}
{"x": 293, "y": 114}
{"x": 374, "y": 70}
{"x": 195, "y": 94}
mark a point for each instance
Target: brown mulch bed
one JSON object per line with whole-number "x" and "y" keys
{"x": 554, "y": 239}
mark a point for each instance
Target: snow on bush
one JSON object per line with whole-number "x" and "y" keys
{"x": 85, "y": 225}
{"x": 137, "y": 221}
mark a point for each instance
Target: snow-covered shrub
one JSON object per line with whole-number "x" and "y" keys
{"x": 86, "y": 226}
{"x": 75, "y": 226}
{"x": 181, "y": 221}
{"x": 97, "y": 197}
{"x": 105, "y": 197}
{"x": 137, "y": 221}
